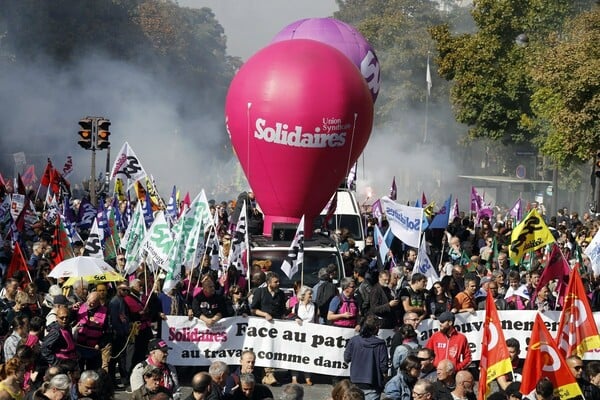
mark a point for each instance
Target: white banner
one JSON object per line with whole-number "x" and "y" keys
{"x": 405, "y": 221}
{"x": 317, "y": 348}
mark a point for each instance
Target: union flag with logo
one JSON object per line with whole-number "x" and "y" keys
{"x": 545, "y": 360}
{"x": 577, "y": 331}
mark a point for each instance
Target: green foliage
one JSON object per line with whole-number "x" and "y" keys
{"x": 514, "y": 94}
{"x": 567, "y": 98}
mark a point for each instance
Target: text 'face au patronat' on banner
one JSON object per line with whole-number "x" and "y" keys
{"x": 318, "y": 348}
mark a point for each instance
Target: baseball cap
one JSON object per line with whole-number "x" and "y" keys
{"x": 446, "y": 316}
{"x": 158, "y": 344}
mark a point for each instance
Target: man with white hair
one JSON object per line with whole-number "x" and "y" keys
{"x": 250, "y": 390}
{"x": 292, "y": 391}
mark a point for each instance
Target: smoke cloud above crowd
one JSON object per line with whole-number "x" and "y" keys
{"x": 42, "y": 103}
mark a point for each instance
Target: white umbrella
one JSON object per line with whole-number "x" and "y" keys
{"x": 79, "y": 267}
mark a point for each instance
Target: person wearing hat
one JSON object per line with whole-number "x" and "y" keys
{"x": 448, "y": 343}
{"x": 152, "y": 376}
{"x": 157, "y": 357}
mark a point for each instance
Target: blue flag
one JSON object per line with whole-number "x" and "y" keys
{"x": 440, "y": 221}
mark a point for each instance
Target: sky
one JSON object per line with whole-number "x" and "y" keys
{"x": 251, "y": 24}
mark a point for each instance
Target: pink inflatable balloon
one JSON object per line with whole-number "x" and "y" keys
{"x": 299, "y": 114}
{"x": 343, "y": 37}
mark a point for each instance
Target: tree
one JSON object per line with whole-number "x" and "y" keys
{"x": 492, "y": 85}
{"x": 566, "y": 100}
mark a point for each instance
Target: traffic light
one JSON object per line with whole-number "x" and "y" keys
{"x": 85, "y": 133}
{"x": 102, "y": 141}
{"x": 597, "y": 165}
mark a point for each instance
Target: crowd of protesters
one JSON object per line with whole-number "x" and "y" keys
{"x": 89, "y": 339}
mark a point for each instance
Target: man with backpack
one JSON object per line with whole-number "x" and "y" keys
{"x": 363, "y": 291}
{"x": 324, "y": 291}
{"x": 343, "y": 309}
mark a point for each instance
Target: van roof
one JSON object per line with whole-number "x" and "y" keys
{"x": 317, "y": 241}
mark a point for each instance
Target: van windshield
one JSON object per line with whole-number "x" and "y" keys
{"x": 339, "y": 221}
{"x": 313, "y": 261}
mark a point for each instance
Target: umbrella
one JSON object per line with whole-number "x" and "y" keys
{"x": 79, "y": 267}
{"x": 99, "y": 278}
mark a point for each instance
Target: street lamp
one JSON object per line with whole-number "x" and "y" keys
{"x": 94, "y": 135}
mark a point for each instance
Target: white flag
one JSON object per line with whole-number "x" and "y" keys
{"x": 195, "y": 219}
{"x": 593, "y": 252}
{"x": 293, "y": 262}
{"x": 351, "y": 179}
{"x": 93, "y": 244}
{"x": 428, "y": 78}
{"x": 127, "y": 165}
{"x": 424, "y": 265}
{"x": 132, "y": 239}
{"x": 238, "y": 243}
{"x": 405, "y": 221}
{"x": 381, "y": 244}
{"x": 158, "y": 241}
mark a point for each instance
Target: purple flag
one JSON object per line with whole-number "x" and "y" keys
{"x": 517, "y": 210}
{"x": 393, "y": 189}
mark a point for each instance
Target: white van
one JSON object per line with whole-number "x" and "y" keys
{"x": 347, "y": 215}
{"x": 319, "y": 252}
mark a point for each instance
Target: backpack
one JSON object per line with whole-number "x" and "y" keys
{"x": 326, "y": 292}
{"x": 362, "y": 297}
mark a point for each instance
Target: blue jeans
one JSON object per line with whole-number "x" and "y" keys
{"x": 371, "y": 394}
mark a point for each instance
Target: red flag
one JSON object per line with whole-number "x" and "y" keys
{"x": 423, "y": 200}
{"x": 17, "y": 263}
{"x": 185, "y": 204}
{"x": 495, "y": 360}
{"x": 61, "y": 246}
{"x": 545, "y": 360}
{"x": 556, "y": 268}
{"x": 330, "y": 210}
{"x": 393, "y": 190}
{"x": 47, "y": 175}
{"x": 29, "y": 176}
{"x": 55, "y": 181}
{"x": 577, "y": 330}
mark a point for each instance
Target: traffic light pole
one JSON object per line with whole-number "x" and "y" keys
{"x": 94, "y": 136}
{"x": 93, "y": 196}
